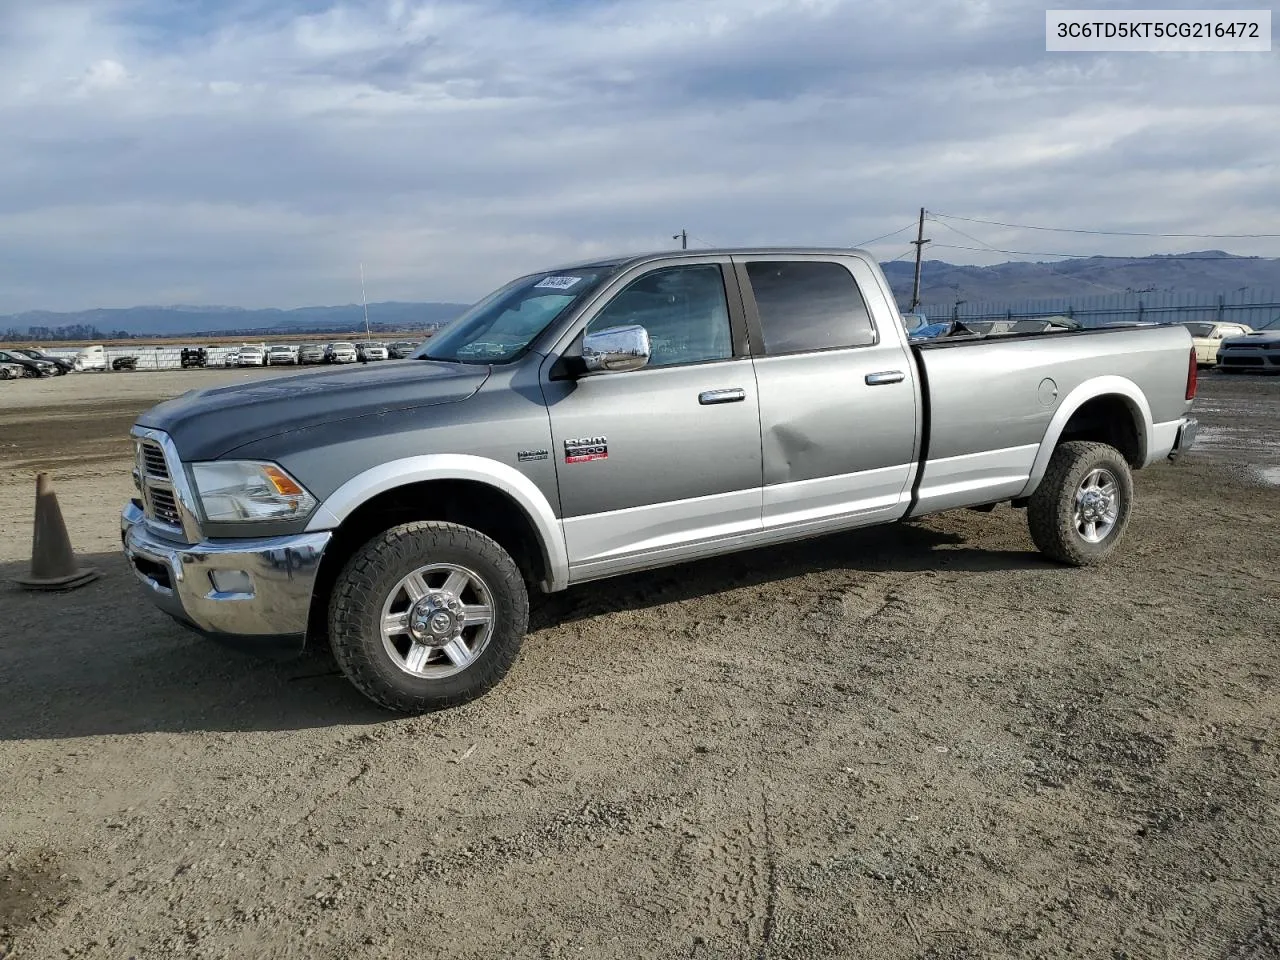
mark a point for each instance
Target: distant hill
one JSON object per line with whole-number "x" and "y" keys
{"x": 196, "y": 321}
{"x": 1209, "y": 272}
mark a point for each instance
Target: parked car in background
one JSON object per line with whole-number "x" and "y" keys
{"x": 311, "y": 353}
{"x": 11, "y": 371}
{"x": 281, "y": 353}
{"x": 1207, "y": 337}
{"x": 91, "y": 358}
{"x": 401, "y": 349}
{"x": 124, "y": 363}
{"x": 251, "y": 355}
{"x": 938, "y": 329}
{"x": 194, "y": 357}
{"x": 371, "y": 350}
{"x": 341, "y": 352}
{"x": 1022, "y": 327}
{"x": 1258, "y": 351}
{"x": 31, "y": 368}
{"x": 64, "y": 366}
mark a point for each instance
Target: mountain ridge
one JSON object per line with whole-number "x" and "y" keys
{"x": 1209, "y": 272}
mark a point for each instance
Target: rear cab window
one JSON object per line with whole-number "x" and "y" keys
{"x": 808, "y": 305}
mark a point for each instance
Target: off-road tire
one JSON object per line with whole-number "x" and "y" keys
{"x": 355, "y": 608}
{"x": 1051, "y": 509}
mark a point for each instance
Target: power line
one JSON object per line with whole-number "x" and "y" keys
{"x": 962, "y": 233}
{"x": 1094, "y": 256}
{"x": 866, "y": 243}
{"x": 1112, "y": 233}
{"x": 1103, "y": 286}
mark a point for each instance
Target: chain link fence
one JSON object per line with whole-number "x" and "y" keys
{"x": 1251, "y": 307}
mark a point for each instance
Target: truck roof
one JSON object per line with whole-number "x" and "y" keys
{"x": 622, "y": 260}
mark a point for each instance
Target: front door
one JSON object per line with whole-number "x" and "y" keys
{"x": 655, "y": 461}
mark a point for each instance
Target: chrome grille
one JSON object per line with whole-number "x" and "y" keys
{"x": 159, "y": 496}
{"x": 153, "y": 461}
{"x": 165, "y": 506}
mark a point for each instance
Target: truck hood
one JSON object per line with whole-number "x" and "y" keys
{"x": 207, "y": 424}
{"x": 1257, "y": 338}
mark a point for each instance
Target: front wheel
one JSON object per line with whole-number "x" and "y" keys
{"x": 428, "y": 615}
{"x": 1081, "y": 509}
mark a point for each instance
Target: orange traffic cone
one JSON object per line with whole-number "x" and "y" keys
{"x": 53, "y": 565}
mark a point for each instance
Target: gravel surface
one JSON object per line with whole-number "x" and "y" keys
{"x": 914, "y": 741}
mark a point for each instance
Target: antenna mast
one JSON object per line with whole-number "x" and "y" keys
{"x": 364, "y": 303}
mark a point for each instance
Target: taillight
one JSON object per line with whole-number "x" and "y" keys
{"x": 1191, "y": 375}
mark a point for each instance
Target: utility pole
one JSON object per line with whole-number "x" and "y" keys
{"x": 363, "y": 302}
{"x": 919, "y": 243}
{"x": 683, "y": 237}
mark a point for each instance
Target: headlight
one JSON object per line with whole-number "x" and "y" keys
{"x": 245, "y": 491}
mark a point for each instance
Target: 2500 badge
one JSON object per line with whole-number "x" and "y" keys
{"x": 586, "y": 448}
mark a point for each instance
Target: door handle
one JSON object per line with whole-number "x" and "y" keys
{"x": 885, "y": 376}
{"x": 728, "y": 395}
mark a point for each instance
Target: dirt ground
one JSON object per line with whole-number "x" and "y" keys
{"x": 916, "y": 741}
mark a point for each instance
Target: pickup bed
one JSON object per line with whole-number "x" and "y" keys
{"x": 612, "y": 416}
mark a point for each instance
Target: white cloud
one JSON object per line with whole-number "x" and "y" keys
{"x": 104, "y": 74}
{"x": 250, "y": 152}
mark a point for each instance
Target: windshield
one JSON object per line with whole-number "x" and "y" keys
{"x": 1199, "y": 329}
{"x": 502, "y": 325}
{"x": 1272, "y": 324}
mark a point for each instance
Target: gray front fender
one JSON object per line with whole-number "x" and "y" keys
{"x": 454, "y": 466}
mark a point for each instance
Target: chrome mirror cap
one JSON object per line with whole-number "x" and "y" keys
{"x": 616, "y": 349}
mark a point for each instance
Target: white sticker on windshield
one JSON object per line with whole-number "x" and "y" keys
{"x": 557, "y": 283}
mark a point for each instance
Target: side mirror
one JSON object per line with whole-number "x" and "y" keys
{"x": 616, "y": 349}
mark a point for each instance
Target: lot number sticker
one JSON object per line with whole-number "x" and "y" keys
{"x": 557, "y": 283}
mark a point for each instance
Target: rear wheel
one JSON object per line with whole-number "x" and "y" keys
{"x": 1081, "y": 509}
{"x": 427, "y": 615}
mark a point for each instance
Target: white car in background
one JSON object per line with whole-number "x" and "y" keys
{"x": 372, "y": 351}
{"x": 91, "y": 358}
{"x": 1207, "y": 337}
{"x": 11, "y": 371}
{"x": 282, "y": 353}
{"x": 251, "y": 356}
{"x": 341, "y": 352}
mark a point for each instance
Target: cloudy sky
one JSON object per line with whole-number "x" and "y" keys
{"x": 254, "y": 152}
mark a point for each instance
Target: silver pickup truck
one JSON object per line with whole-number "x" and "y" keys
{"x": 614, "y": 416}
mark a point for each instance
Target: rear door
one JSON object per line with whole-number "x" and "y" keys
{"x": 658, "y": 462}
{"x": 839, "y": 402}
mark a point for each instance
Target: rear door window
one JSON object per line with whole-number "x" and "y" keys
{"x": 807, "y": 305}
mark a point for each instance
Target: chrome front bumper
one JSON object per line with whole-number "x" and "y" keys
{"x": 270, "y": 604}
